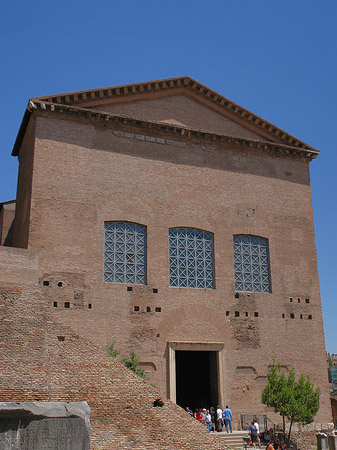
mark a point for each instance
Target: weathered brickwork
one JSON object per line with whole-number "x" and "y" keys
{"x": 239, "y": 177}
{"x": 7, "y": 213}
{"x": 56, "y": 364}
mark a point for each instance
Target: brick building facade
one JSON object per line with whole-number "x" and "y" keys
{"x": 169, "y": 220}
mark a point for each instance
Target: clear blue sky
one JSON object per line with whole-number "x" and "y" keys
{"x": 276, "y": 58}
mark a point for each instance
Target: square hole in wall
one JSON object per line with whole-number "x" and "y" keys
{"x": 60, "y": 284}
{"x": 45, "y": 283}
{"x": 282, "y": 316}
{"x": 89, "y": 306}
{"x": 246, "y": 314}
{"x": 309, "y": 317}
{"x": 290, "y": 299}
{"x": 237, "y": 314}
{"x": 61, "y": 338}
{"x": 299, "y": 300}
{"x": 256, "y": 314}
{"x": 67, "y": 304}
{"x": 155, "y": 291}
{"x": 307, "y": 300}
{"x": 301, "y": 316}
{"x": 129, "y": 288}
{"x": 148, "y": 309}
{"x": 237, "y": 295}
{"x": 158, "y": 309}
{"x": 292, "y": 316}
{"x": 227, "y": 313}
{"x": 136, "y": 308}
{"x": 55, "y": 304}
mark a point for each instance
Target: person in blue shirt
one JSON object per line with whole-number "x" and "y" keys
{"x": 253, "y": 434}
{"x": 227, "y": 416}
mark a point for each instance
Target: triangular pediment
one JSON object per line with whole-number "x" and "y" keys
{"x": 182, "y": 101}
{"x": 179, "y": 108}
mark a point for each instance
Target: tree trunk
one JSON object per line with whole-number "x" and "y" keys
{"x": 288, "y": 439}
{"x": 284, "y": 427}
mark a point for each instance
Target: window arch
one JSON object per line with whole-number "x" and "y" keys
{"x": 124, "y": 253}
{"x": 191, "y": 256}
{"x": 251, "y": 263}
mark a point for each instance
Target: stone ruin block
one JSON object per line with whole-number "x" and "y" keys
{"x": 44, "y": 426}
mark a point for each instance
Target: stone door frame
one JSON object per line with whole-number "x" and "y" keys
{"x": 218, "y": 347}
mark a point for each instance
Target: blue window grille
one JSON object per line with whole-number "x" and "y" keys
{"x": 124, "y": 253}
{"x": 251, "y": 264}
{"x": 191, "y": 255}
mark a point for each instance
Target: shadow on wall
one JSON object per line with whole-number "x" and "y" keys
{"x": 99, "y": 137}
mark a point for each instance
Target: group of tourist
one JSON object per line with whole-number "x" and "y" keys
{"x": 273, "y": 441}
{"x": 213, "y": 419}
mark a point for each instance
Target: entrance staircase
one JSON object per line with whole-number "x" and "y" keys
{"x": 234, "y": 440}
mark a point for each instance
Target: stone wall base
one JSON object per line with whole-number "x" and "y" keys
{"x": 44, "y": 425}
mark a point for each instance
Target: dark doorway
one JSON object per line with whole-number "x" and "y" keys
{"x": 196, "y": 379}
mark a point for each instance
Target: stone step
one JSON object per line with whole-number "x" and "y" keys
{"x": 234, "y": 439}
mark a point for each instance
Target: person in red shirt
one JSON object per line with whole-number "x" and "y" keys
{"x": 198, "y": 415}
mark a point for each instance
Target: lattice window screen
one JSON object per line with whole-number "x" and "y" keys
{"x": 251, "y": 264}
{"x": 191, "y": 254}
{"x": 124, "y": 253}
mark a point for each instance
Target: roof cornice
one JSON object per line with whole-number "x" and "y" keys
{"x": 128, "y": 90}
{"x": 180, "y": 131}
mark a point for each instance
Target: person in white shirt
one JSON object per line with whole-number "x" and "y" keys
{"x": 256, "y": 424}
{"x": 208, "y": 421}
{"x": 218, "y": 419}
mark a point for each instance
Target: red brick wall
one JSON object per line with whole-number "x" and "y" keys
{"x": 7, "y": 213}
{"x": 24, "y": 188}
{"x": 36, "y": 365}
{"x": 86, "y": 174}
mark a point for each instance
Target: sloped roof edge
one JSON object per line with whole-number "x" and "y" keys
{"x": 78, "y": 97}
{"x": 21, "y": 132}
{"x": 182, "y": 131}
{"x": 7, "y": 202}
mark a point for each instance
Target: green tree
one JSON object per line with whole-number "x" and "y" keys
{"x": 294, "y": 400}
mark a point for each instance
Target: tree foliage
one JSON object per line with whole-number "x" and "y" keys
{"x": 131, "y": 361}
{"x": 294, "y": 400}
{"x": 111, "y": 350}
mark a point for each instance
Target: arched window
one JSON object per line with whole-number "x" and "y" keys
{"x": 251, "y": 263}
{"x": 124, "y": 253}
{"x": 191, "y": 254}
